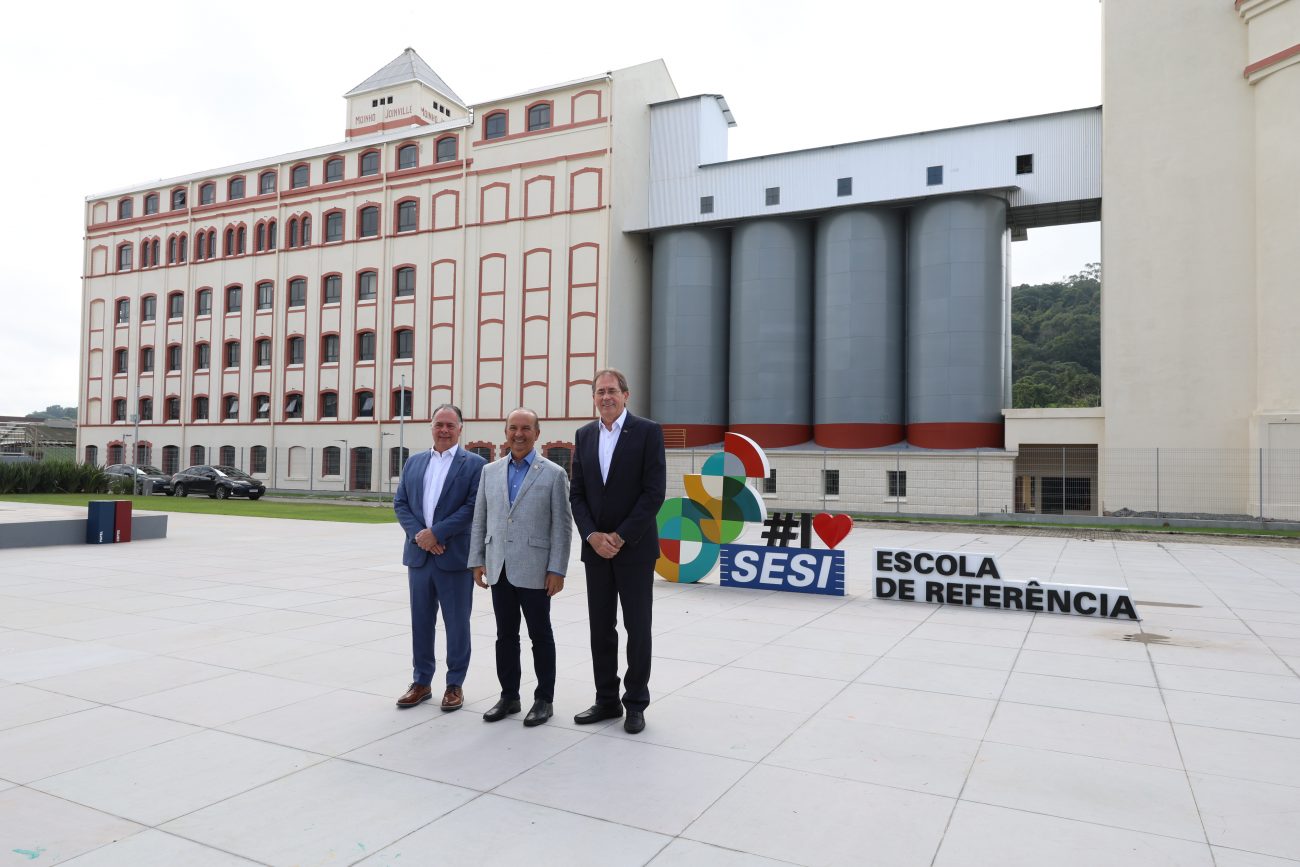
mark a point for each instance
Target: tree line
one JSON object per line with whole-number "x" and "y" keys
{"x": 1056, "y": 341}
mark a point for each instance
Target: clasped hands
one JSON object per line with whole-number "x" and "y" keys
{"x": 607, "y": 545}
{"x": 429, "y": 542}
{"x": 554, "y": 582}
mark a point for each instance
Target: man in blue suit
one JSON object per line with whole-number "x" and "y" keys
{"x": 435, "y": 506}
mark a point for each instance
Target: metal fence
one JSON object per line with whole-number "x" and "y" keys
{"x": 1193, "y": 484}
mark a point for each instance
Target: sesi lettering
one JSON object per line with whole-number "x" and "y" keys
{"x": 801, "y": 575}
{"x": 773, "y": 568}
{"x": 743, "y": 567}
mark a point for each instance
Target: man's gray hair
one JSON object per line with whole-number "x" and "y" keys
{"x": 537, "y": 421}
{"x": 451, "y": 406}
{"x": 610, "y": 371}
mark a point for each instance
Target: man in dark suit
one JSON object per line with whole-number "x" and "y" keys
{"x": 619, "y": 476}
{"x": 435, "y": 506}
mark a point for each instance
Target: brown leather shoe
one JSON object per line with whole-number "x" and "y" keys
{"x": 453, "y": 698}
{"x": 418, "y": 693}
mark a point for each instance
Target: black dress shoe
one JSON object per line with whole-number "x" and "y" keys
{"x": 635, "y": 722}
{"x": 538, "y": 714}
{"x": 502, "y": 709}
{"x": 598, "y": 712}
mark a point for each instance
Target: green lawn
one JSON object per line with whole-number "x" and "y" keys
{"x": 246, "y": 508}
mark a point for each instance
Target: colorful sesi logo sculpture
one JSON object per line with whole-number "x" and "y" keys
{"x": 696, "y": 532}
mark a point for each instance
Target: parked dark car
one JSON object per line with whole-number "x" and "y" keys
{"x": 220, "y": 482}
{"x": 149, "y": 480}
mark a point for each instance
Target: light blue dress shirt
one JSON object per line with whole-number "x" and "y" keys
{"x": 516, "y": 472}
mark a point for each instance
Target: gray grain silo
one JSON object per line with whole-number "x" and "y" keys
{"x": 858, "y": 326}
{"x": 688, "y": 334}
{"x": 771, "y": 331}
{"x": 956, "y": 322}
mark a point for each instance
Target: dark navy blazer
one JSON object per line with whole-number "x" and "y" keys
{"x": 451, "y": 517}
{"x": 628, "y": 503}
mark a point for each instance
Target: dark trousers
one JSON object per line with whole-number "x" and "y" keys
{"x": 452, "y": 592}
{"x": 508, "y": 601}
{"x": 609, "y": 584}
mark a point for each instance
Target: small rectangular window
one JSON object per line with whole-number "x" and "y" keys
{"x": 769, "y": 484}
{"x": 844, "y": 187}
{"x": 897, "y": 480}
{"x": 773, "y": 196}
{"x": 831, "y": 483}
{"x": 1025, "y": 164}
{"x": 934, "y": 176}
{"x": 706, "y": 204}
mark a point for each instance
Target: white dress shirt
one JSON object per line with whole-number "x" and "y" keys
{"x": 434, "y": 477}
{"x": 609, "y": 439}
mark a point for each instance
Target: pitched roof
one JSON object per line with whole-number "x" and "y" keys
{"x": 407, "y": 66}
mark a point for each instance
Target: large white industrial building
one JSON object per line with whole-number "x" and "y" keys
{"x": 847, "y": 305}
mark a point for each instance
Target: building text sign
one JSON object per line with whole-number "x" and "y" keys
{"x": 974, "y": 580}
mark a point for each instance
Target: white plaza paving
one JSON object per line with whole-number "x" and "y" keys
{"x": 225, "y": 696}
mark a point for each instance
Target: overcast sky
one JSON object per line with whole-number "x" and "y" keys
{"x": 110, "y": 94}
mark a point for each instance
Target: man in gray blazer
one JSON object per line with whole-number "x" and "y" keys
{"x": 519, "y": 546}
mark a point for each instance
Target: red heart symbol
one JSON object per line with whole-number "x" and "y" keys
{"x": 832, "y": 529}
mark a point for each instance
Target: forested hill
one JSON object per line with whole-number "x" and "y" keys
{"x": 1056, "y": 342}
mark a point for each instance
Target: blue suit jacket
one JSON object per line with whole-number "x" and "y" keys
{"x": 451, "y": 517}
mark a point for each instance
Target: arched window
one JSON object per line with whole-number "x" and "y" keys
{"x": 227, "y": 456}
{"x": 365, "y": 346}
{"x": 262, "y": 407}
{"x": 401, "y": 402}
{"x": 146, "y": 359}
{"x": 196, "y": 455}
{"x": 298, "y": 292}
{"x": 396, "y": 460}
{"x": 212, "y": 243}
{"x": 257, "y": 460}
{"x": 333, "y": 226}
{"x": 230, "y": 242}
{"x": 174, "y": 365}
{"x": 230, "y": 410}
{"x": 259, "y": 237}
{"x": 367, "y": 285}
{"x": 92, "y": 455}
{"x": 235, "y": 189}
{"x": 329, "y": 463}
{"x": 171, "y": 459}
{"x": 299, "y": 176}
{"x": 293, "y": 405}
{"x": 173, "y": 405}
{"x": 146, "y": 410}
{"x": 148, "y": 308}
{"x": 369, "y": 164}
{"x": 266, "y": 182}
{"x": 201, "y": 408}
{"x": 446, "y": 149}
{"x": 119, "y": 411}
{"x": 408, "y": 215}
{"x": 296, "y": 350}
{"x": 494, "y": 125}
{"x": 539, "y": 116}
{"x": 333, "y": 170}
{"x": 183, "y": 252}
{"x": 262, "y": 352}
{"x": 560, "y": 453}
{"x": 153, "y": 253}
{"x": 171, "y": 250}
{"x": 365, "y": 404}
{"x": 207, "y": 194}
{"x": 329, "y": 404}
{"x": 332, "y": 288}
{"x": 232, "y": 354}
{"x": 306, "y": 230}
{"x": 403, "y": 343}
{"x": 178, "y": 198}
{"x": 293, "y": 232}
{"x": 204, "y": 302}
{"x": 368, "y": 222}
{"x": 408, "y": 156}
{"x": 122, "y": 311}
{"x": 265, "y": 295}
{"x": 270, "y": 234}
{"x": 234, "y": 298}
{"x": 404, "y": 282}
{"x": 329, "y": 349}
{"x": 144, "y": 453}
{"x": 124, "y": 257}
{"x": 125, "y": 208}
{"x": 175, "y": 305}
{"x": 120, "y": 361}
{"x": 202, "y": 356}
{"x": 201, "y": 246}
{"x": 242, "y": 236}
{"x": 116, "y": 453}
{"x": 151, "y": 203}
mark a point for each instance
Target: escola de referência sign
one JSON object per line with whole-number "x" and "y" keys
{"x": 974, "y": 580}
